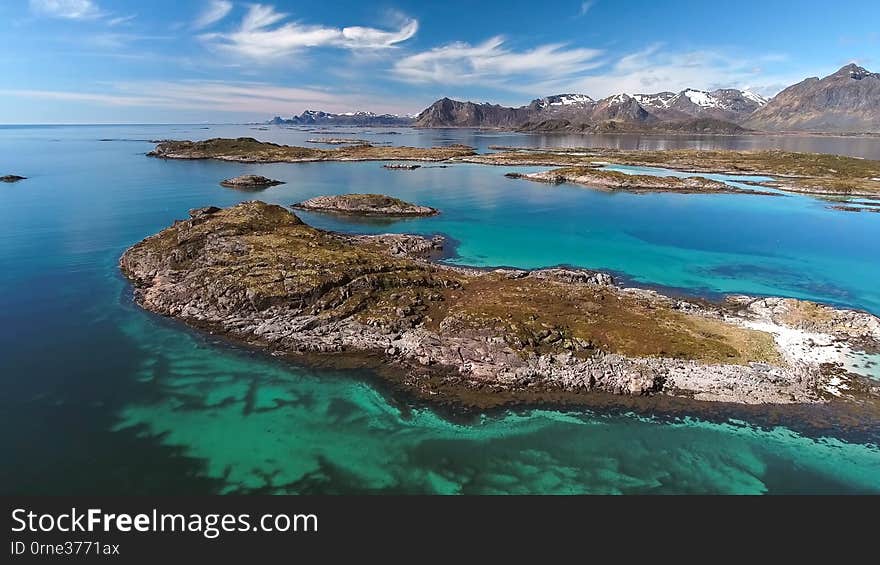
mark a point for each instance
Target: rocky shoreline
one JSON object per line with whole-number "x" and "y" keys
{"x": 365, "y": 205}
{"x": 256, "y": 274}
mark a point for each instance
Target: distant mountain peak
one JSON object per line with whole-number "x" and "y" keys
{"x": 854, "y": 71}
{"x": 845, "y": 101}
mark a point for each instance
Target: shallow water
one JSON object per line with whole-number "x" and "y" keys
{"x": 102, "y": 397}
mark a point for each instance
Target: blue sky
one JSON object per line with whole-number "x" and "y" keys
{"x": 163, "y": 61}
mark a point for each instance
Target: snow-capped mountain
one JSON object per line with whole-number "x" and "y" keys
{"x": 726, "y": 104}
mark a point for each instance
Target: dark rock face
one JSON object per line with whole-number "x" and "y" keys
{"x": 846, "y": 101}
{"x": 452, "y": 113}
{"x": 11, "y": 178}
{"x": 250, "y": 181}
{"x": 317, "y": 117}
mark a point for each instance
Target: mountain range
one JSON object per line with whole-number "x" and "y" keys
{"x": 317, "y": 117}
{"x": 847, "y": 101}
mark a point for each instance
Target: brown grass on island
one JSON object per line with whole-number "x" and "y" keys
{"x": 799, "y": 172}
{"x": 615, "y": 180}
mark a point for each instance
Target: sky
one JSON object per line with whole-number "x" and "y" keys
{"x": 192, "y": 61}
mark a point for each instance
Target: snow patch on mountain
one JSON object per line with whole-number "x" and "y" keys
{"x": 659, "y": 100}
{"x": 756, "y": 98}
{"x": 702, "y": 98}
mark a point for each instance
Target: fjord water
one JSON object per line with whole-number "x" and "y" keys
{"x": 99, "y": 396}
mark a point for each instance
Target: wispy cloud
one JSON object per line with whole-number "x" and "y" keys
{"x": 262, "y": 36}
{"x": 251, "y": 98}
{"x": 120, "y": 20}
{"x": 654, "y": 69}
{"x": 67, "y": 9}
{"x": 586, "y": 5}
{"x": 492, "y": 63}
{"x": 213, "y": 12}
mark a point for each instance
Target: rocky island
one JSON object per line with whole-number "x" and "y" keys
{"x": 249, "y": 150}
{"x": 11, "y": 178}
{"x": 250, "y": 182}
{"x": 337, "y": 141}
{"x": 257, "y": 274}
{"x": 614, "y": 180}
{"x": 365, "y": 205}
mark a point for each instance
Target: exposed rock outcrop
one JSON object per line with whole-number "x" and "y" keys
{"x": 11, "y": 178}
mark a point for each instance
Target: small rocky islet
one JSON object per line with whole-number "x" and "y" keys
{"x": 250, "y": 182}
{"x": 401, "y": 166}
{"x": 257, "y": 274}
{"x": 12, "y": 178}
{"x": 365, "y": 205}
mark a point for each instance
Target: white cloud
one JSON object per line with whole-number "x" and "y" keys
{"x": 653, "y": 69}
{"x": 68, "y": 9}
{"x": 586, "y": 5}
{"x": 492, "y": 63}
{"x": 257, "y": 99}
{"x": 213, "y": 12}
{"x": 260, "y": 37}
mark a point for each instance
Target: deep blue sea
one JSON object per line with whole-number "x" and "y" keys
{"x": 101, "y": 397}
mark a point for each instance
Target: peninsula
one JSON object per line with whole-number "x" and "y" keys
{"x": 249, "y": 150}
{"x": 257, "y": 274}
{"x": 813, "y": 173}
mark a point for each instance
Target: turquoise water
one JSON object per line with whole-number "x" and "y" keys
{"x": 100, "y": 396}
